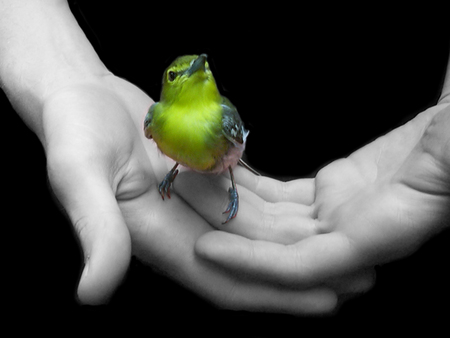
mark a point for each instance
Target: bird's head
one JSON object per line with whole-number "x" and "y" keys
{"x": 188, "y": 78}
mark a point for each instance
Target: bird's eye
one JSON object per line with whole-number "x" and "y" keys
{"x": 172, "y": 76}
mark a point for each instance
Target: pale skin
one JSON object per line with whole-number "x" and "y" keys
{"x": 295, "y": 247}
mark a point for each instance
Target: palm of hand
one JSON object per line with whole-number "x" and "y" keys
{"x": 377, "y": 205}
{"x": 105, "y": 173}
{"x": 385, "y": 199}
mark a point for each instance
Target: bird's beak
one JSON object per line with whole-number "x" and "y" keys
{"x": 199, "y": 63}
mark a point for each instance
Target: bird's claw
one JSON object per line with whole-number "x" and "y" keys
{"x": 164, "y": 186}
{"x": 233, "y": 205}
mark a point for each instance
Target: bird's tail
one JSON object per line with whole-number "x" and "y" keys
{"x": 246, "y": 166}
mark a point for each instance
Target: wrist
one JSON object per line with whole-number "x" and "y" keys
{"x": 42, "y": 49}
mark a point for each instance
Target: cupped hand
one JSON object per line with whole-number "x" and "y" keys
{"x": 97, "y": 162}
{"x": 379, "y": 204}
{"x": 106, "y": 173}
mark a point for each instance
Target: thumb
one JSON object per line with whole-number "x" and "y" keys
{"x": 91, "y": 205}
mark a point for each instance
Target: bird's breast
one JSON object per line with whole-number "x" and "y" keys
{"x": 192, "y": 135}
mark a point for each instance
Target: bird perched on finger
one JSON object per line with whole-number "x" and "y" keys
{"x": 196, "y": 126}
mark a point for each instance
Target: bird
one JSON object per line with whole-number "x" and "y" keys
{"x": 196, "y": 126}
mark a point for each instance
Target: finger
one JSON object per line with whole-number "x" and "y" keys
{"x": 310, "y": 261}
{"x": 162, "y": 225}
{"x": 96, "y": 217}
{"x": 261, "y": 297}
{"x": 283, "y": 222}
{"x": 354, "y": 283}
{"x": 298, "y": 191}
{"x": 174, "y": 222}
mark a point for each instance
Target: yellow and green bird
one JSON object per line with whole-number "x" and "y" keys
{"x": 196, "y": 126}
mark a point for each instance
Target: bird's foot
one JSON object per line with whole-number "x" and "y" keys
{"x": 164, "y": 186}
{"x": 233, "y": 205}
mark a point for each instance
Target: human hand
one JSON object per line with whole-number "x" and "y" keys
{"x": 106, "y": 173}
{"x": 101, "y": 167}
{"x": 95, "y": 155}
{"x": 379, "y": 204}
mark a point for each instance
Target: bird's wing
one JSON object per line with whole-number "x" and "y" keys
{"x": 149, "y": 119}
{"x": 232, "y": 125}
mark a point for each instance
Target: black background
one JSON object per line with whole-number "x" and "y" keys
{"x": 311, "y": 84}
